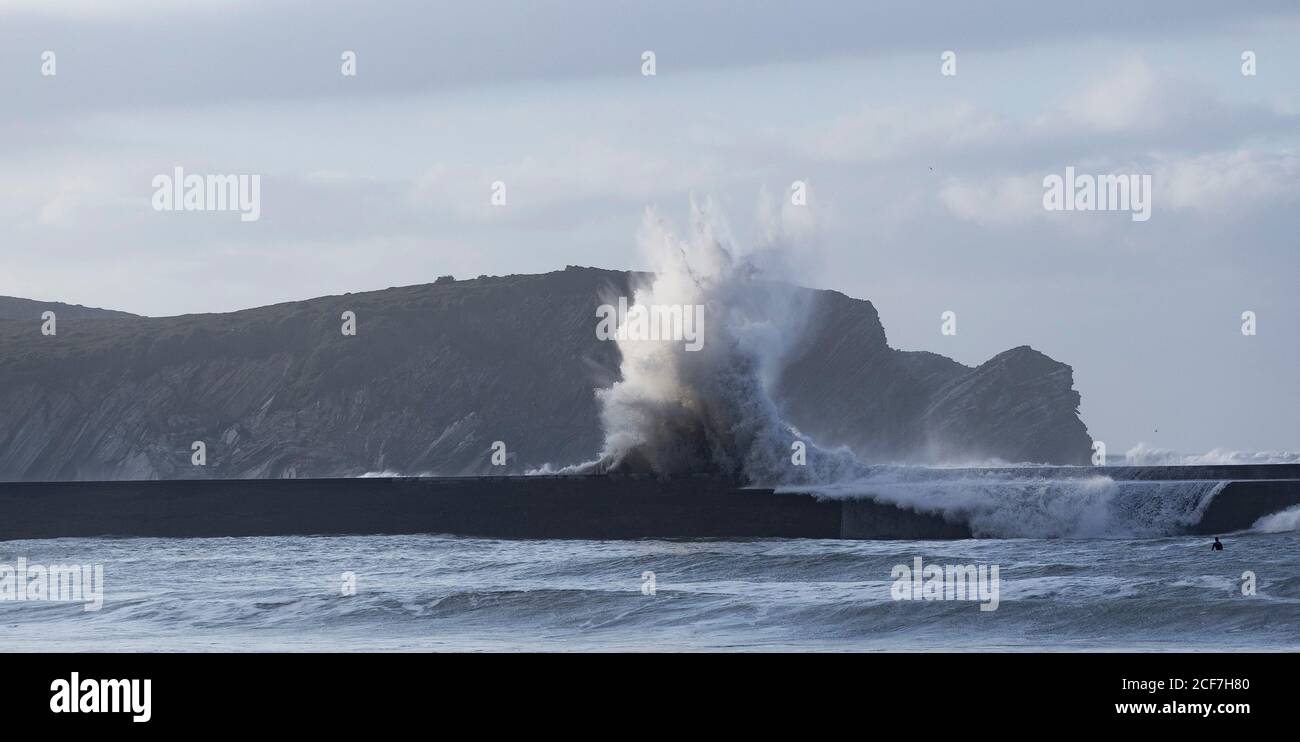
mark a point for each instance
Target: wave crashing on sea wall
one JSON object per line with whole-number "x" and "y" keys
{"x": 677, "y": 411}
{"x": 1003, "y": 505}
{"x": 1282, "y": 522}
{"x": 682, "y": 411}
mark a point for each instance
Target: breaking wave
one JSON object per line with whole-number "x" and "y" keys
{"x": 393, "y": 474}
{"x": 1281, "y": 522}
{"x": 1145, "y": 455}
{"x": 1007, "y": 505}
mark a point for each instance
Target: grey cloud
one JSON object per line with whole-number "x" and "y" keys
{"x": 290, "y": 50}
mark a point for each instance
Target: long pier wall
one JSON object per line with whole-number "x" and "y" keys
{"x": 505, "y": 507}
{"x": 588, "y": 507}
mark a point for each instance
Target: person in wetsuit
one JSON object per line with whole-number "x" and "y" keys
{"x": 1216, "y": 546}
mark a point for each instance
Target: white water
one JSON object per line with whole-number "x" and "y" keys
{"x": 1145, "y": 455}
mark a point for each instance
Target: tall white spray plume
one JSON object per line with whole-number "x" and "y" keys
{"x": 679, "y": 411}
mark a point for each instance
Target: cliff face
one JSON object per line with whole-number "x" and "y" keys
{"x": 846, "y": 386}
{"x": 436, "y": 373}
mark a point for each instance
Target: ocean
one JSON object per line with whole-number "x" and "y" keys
{"x": 440, "y": 593}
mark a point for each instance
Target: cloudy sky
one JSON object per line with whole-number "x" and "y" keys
{"x": 925, "y": 189}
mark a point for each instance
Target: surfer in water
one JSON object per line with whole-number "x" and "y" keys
{"x": 1216, "y": 546}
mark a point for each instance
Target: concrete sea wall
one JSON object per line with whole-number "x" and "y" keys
{"x": 587, "y": 507}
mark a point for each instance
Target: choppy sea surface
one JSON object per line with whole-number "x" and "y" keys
{"x": 420, "y": 593}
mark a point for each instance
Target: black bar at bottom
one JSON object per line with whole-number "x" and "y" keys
{"x": 931, "y": 692}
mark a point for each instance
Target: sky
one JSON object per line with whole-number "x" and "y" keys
{"x": 925, "y": 189}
